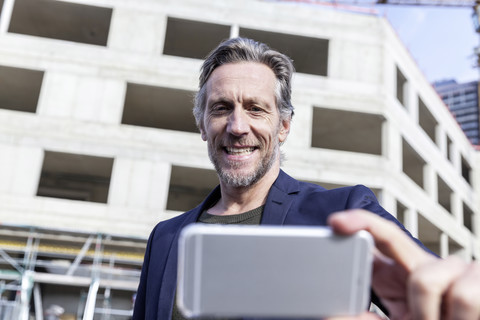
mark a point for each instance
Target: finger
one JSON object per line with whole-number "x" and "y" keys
{"x": 428, "y": 284}
{"x": 463, "y": 297}
{"x": 363, "y": 316}
{"x": 388, "y": 237}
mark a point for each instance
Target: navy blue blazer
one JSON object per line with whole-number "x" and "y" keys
{"x": 289, "y": 202}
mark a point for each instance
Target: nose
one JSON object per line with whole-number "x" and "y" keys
{"x": 238, "y": 123}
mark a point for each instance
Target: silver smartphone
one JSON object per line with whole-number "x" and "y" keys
{"x": 272, "y": 272}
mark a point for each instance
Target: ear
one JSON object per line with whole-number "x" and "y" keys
{"x": 284, "y": 129}
{"x": 203, "y": 134}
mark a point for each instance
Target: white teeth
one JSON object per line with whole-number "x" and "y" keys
{"x": 239, "y": 151}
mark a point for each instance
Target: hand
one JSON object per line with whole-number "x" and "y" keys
{"x": 411, "y": 283}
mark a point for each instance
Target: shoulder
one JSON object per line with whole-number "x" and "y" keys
{"x": 310, "y": 193}
{"x": 169, "y": 227}
{"x": 349, "y": 196}
{"x": 290, "y": 185}
{"x": 163, "y": 236}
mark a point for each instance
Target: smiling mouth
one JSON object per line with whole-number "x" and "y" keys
{"x": 239, "y": 151}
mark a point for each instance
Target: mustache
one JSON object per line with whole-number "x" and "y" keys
{"x": 230, "y": 141}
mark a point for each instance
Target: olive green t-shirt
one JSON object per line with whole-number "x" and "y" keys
{"x": 252, "y": 217}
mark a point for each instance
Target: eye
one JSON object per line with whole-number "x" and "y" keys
{"x": 256, "y": 109}
{"x": 219, "y": 108}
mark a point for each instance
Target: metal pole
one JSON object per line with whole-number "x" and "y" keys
{"x": 107, "y": 305}
{"x": 37, "y": 299}
{"x": 80, "y": 256}
{"x": 12, "y": 262}
{"x": 6, "y": 15}
{"x": 91, "y": 299}
{"x": 93, "y": 290}
{"x": 27, "y": 284}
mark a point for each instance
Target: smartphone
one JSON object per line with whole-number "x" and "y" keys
{"x": 272, "y": 271}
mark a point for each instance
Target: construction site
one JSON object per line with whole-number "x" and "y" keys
{"x": 98, "y": 142}
{"x": 46, "y": 271}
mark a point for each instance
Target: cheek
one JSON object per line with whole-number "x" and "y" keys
{"x": 270, "y": 137}
{"x": 211, "y": 129}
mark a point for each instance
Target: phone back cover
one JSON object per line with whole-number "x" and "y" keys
{"x": 272, "y": 272}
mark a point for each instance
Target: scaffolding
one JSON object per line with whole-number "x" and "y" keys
{"x": 98, "y": 265}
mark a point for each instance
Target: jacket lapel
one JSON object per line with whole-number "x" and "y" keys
{"x": 280, "y": 199}
{"x": 169, "y": 281}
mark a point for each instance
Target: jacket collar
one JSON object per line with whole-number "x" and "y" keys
{"x": 279, "y": 199}
{"x": 277, "y": 205}
{"x": 169, "y": 280}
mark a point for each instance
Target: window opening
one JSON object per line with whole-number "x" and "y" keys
{"x": 444, "y": 194}
{"x": 309, "y": 55}
{"x": 426, "y": 120}
{"x": 61, "y": 20}
{"x": 413, "y": 164}
{"x": 401, "y": 87}
{"x": 193, "y": 39}
{"x": 20, "y": 88}
{"x": 159, "y": 107}
{"x": 75, "y": 177}
{"x": 189, "y": 187}
{"x": 347, "y": 131}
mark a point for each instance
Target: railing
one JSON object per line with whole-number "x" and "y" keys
{"x": 32, "y": 257}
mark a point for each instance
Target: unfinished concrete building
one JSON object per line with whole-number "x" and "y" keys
{"x": 98, "y": 144}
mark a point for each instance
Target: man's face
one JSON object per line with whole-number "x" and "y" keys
{"x": 242, "y": 123}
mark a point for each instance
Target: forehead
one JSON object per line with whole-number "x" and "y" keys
{"x": 241, "y": 80}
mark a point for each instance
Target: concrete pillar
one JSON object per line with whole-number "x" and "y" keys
{"x": 139, "y": 183}
{"x": 441, "y": 140}
{"x": 411, "y": 221}
{"x": 389, "y": 202}
{"x": 85, "y": 98}
{"x": 136, "y": 31}
{"x": 476, "y": 224}
{"x": 300, "y": 136}
{"x": 476, "y": 248}
{"x": 457, "y": 207}
{"x": 456, "y": 158}
{"x": 392, "y": 145}
{"x": 20, "y": 169}
{"x": 444, "y": 245}
{"x": 412, "y": 103}
{"x": 6, "y": 15}
{"x": 430, "y": 182}
{"x": 234, "y": 31}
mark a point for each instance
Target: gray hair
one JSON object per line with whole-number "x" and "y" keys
{"x": 247, "y": 50}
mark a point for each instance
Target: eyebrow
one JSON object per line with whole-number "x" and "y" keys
{"x": 223, "y": 98}
{"x": 212, "y": 101}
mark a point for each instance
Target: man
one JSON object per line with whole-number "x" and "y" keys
{"x": 243, "y": 112}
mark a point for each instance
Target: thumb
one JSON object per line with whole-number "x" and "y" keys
{"x": 389, "y": 238}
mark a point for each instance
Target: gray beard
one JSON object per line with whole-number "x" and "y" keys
{"x": 241, "y": 180}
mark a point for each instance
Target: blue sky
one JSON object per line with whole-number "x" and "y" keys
{"x": 441, "y": 39}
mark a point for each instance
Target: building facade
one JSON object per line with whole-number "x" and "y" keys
{"x": 462, "y": 100}
{"x": 98, "y": 143}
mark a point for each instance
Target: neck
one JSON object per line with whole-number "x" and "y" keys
{"x": 235, "y": 200}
